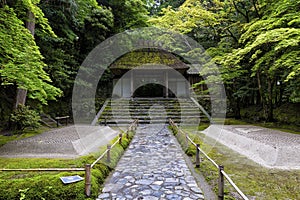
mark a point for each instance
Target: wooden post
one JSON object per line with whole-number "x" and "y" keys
{"x": 130, "y": 128}
{"x": 221, "y": 183}
{"x": 108, "y": 152}
{"x": 120, "y": 141}
{"x": 88, "y": 180}
{"x": 197, "y": 156}
{"x": 186, "y": 141}
{"x": 127, "y": 134}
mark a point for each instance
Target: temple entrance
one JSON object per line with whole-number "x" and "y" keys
{"x": 150, "y": 73}
{"x": 152, "y": 90}
{"x": 149, "y": 90}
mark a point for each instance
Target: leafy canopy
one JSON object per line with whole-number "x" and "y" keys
{"x": 20, "y": 59}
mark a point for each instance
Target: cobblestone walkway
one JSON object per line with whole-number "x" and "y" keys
{"x": 153, "y": 167}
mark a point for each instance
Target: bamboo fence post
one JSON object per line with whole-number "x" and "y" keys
{"x": 108, "y": 152}
{"x": 186, "y": 141}
{"x": 197, "y": 156}
{"x": 221, "y": 183}
{"x": 120, "y": 140}
{"x": 88, "y": 180}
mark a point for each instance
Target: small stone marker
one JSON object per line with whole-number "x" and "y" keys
{"x": 71, "y": 179}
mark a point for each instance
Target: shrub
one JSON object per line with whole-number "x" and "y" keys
{"x": 23, "y": 117}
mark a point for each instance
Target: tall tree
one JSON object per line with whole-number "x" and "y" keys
{"x": 29, "y": 12}
{"x": 271, "y": 46}
{"x": 21, "y": 61}
{"x": 254, "y": 42}
{"x": 80, "y": 25}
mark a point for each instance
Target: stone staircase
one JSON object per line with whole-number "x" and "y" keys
{"x": 150, "y": 111}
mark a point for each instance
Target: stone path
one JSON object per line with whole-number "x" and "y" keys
{"x": 153, "y": 167}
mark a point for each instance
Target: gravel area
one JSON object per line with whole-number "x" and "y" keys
{"x": 66, "y": 142}
{"x": 269, "y": 148}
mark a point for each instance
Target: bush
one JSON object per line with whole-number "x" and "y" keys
{"x": 23, "y": 117}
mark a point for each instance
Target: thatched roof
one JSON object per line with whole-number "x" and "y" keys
{"x": 148, "y": 59}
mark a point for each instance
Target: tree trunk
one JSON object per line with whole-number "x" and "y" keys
{"x": 237, "y": 109}
{"x": 21, "y": 97}
{"x": 280, "y": 95}
{"x": 22, "y": 93}
{"x": 270, "y": 117}
{"x": 261, "y": 93}
{"x": 30, "y": 24}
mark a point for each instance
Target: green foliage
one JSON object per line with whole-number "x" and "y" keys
{"x": 255, "y": 44}
{"x": 23, "y": 118}
{"x": 190, "y": 14}
{"x": 270, "y": 51}
{"x": 155, "y": 6}
{"x": 284, "y": 115}
{"x": 79, "y": 26}
{"x": 127, "y": 14}
{"x": 20, "y": 59}
{"x": 23, "y": 7}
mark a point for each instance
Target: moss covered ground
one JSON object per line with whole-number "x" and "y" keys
{"x": 7, "y": 136}
{"x": 254, "y": 180}
{"x": 47, "y": 185}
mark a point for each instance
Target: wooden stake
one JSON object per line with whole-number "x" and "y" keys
{"x": 108, "y": 152}
{"x": 120, "y": 141}
{"x": 221, "y": 183}
{"x": 88, "y": 180}
{"x": 197, "y": 156}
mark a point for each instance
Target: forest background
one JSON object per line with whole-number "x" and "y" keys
{"x": 255, "y": 44}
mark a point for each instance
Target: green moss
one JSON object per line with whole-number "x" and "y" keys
{"x": 139, "y": 58}
{"x": 47, "y": 185}
{"x": 272, "y": 125}
{"x": 26, "y": 133}
{"x": 255, "y": 181}
{"x": 42, "y": 186}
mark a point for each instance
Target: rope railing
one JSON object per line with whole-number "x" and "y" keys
{"x": 222, "y": 173}
{"x": 43, "y": 169}
{"x": 88, "y": 167}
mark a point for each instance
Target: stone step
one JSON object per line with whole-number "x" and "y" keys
{"x": 186, "y": 108}
{"x": 146, "y": 112}
{"x": 147, "y": 116}
{"x": 127, "y": 122}
{"x": 122, "y": 111}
